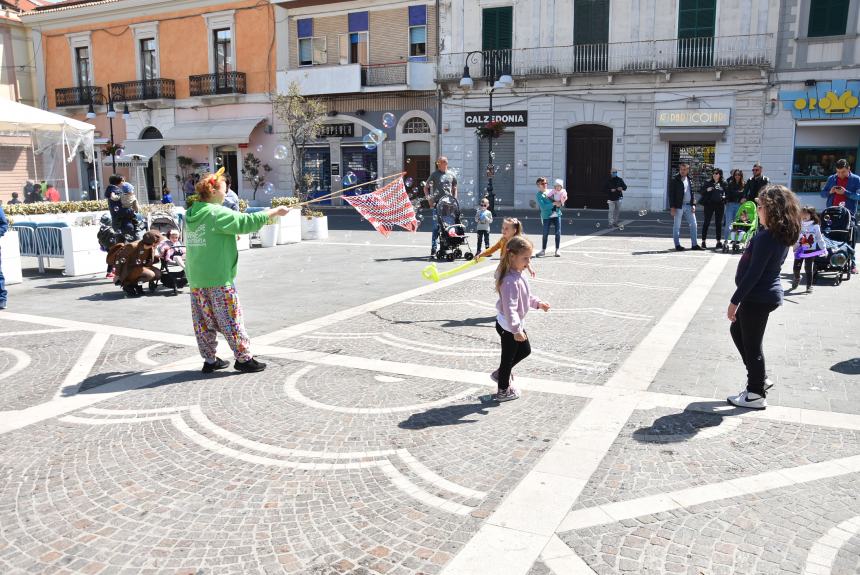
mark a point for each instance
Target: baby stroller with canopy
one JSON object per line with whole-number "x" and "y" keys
{"x": 743, "y": 228}
{"x": 837, "y": 227}
{"x": 452, "y": 232}
{"x": 172, "y": 272}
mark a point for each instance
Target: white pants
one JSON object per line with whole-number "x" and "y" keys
{"x": 614, "y": 211}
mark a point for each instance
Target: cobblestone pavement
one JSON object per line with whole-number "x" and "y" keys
{"x": 368, "y": 445}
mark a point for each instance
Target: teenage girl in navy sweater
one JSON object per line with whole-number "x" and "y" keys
{"x": 759, "y": 291}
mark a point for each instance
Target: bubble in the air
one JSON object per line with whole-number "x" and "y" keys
{"x": 269, "y": 188}
{"x": 409, "y": 182}
{"x": 350, "y": 179}
{"x": 259, "y": 148}
{"x": 456, "y": 148}
{"x": 408, "y": 160}
{"x": 280, "y": 152}
{"x": 219, "y": 160}
{"x": 369, "y": 142}
{"x": 620, "y": 228}
{"x": 422, "y": 184}
{"x": 468, "y": 154}
{"x": 85, "y": 196}
{"x": 507, "y": 167}
{"x": 597, "y": 225}
{"x": 577, "y": 214}
{"x": 643, "y": 212}
{"x": 388, "y": 120}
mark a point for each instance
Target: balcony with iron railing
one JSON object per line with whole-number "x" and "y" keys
{"x": 217, "y": 84}
{"x": 722, "y": 52}
{"x": 391, "y": 74}
{"x": 136, "y": 90}
{"x": 78, "y": 96}
{"x": 349, "y": 78}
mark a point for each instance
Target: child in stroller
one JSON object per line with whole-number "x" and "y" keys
{"x": 452, "y": 232}
{"x": 171, "y": 253}
{"x": 837, "y": 227}
{"x": 743, "y": 229}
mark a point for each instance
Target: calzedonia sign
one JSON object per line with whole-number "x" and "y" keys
{"x": 512, "y": 118}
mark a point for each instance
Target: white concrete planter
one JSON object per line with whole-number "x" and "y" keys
{"x": 81, "y": 252}
{"x": 68, "y": 219}
{"x": 244, "y": 242}
{"x": 290, "y": 228}
{"x": 269, "y": 236}
{"x": 10, "y": 258}
{"x": 315, "y": 228}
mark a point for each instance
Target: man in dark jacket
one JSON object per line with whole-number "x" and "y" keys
{"x": 123, "y": 218}
{"x": 4, "y": 226}
{"x": 755, "y": 184}
{"x": 614, "y": 189}
{"x": 682, "y": 204}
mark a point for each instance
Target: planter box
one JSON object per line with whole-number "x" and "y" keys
{"x": 81, "y": 252}
{"x": 269, "y": 236}
{"x": 315, "y": 228}
{"x": 244, "y": 242}
{"x": 10, "y": 258}
{"x": 290, "y": 228}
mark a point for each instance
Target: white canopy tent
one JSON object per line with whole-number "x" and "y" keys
{"x": 47, "y": 131}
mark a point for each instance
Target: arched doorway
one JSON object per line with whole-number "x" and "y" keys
{"x": 589, "y": 160}
{"x": 156, "y": 168}
{"x": 416, "y": 154}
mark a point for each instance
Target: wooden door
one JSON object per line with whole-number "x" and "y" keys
{"x": 589, "y": 161}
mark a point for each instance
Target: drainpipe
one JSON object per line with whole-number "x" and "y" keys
{"x": 438, "y": 90}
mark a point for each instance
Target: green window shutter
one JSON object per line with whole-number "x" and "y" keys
{"x": 498, "y": 28}
{"x": 827, "y": 17}
{"x": 591, "y": 22}
{"x": 696, "y": 18}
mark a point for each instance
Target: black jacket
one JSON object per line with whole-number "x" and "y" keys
{"x": 676, "y": 192}
{"x": 613, "y": 183}
{"x": 754, "y": 186}
{"x": 713, "y": 193}
{"x": 734, "y": 191}
{"x": 757, "y": 276}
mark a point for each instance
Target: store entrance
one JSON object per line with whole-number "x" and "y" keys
{"x": 700, "y": 156}
{"x": 362, "y": 164}
{"x": 589, "y": 161}
{"x": 416, "y": 160}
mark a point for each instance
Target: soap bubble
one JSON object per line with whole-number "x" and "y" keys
{"x": 469, "y": 154}
{"x": 369, "y": 142}
{"x": 620, "y": 228}
{"x": 577, "y": 214}
{"x": 597, "y": 225}
{"x": 388, "y": 120}
{"x": 408, "y": 160}
{"x": 643, "y": 212}
{"x": 350, "y": 179}
{"x": 408, "y": 182}
{"x": 219, "y": 161}
{"x": 507, "y": 167}
{"x": 280, "y": 152}
{"x": 259, "y": 149}
{"x": 269, "y": 188}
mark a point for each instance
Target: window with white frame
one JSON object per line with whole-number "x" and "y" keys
{"x": 416, "y": 126}
{"x": 81, "y": 51}
{"x": 355, "y": 46}
{"x": 146, "y": 38}
{"x": 82, "y": 65}
{"x": 311, "y": 49}
{"x": 222, "y": 47}
{"x": 418, "y": 33}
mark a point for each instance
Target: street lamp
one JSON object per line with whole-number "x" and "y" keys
{"x": 111, "y": 114}
{"x": 503, "y": 81}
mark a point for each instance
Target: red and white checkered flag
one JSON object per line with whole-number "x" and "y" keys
{"x": 387, "y": 207}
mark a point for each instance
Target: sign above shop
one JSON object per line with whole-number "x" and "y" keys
{"x": 337, "y": 131}
{"x": 707, "y": 117}
{"x": 512, "y": 118}
{"x": 834, "y": 100}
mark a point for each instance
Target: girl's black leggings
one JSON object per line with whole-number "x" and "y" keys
{"x": 808, "y": 267}
{"x": 748, "y": 332}
{"x": 513, "y": 352}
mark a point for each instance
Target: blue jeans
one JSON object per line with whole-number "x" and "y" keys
{"x": 3, "y": 293}
{"x": 556, "y": 223}
{"x": 687, "y": 213}
{"x": 435, "y": 236}
{"x": 731, "y": 213}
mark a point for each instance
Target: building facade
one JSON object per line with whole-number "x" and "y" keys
{"x": 188, "y": 82}
{"x": 635, "y": 85}
{"x": 817, "y": 120}
{"x": 372, "y": 65}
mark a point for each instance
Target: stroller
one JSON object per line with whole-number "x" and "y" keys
{"x": 742, "y": 231}
{"x": 172, "y": 274}
{"x": 837, "y": 227}
{"x": 452, "y": 232}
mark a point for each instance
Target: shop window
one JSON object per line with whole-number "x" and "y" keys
{"x": 362, "y": 163}
{"x": 416, "y": 126}
{"x": 312, "y": 51}
{"x": 827, "y": 18}
{"x": 700, "y": 158}
{"x": 317, "y": 165}
{"x": 812, "y": 167}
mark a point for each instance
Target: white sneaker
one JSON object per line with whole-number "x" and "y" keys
{"x": 540, "y": 254}
{"x": 748, "y": 400}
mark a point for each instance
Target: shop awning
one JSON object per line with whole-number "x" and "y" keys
{"x": 143, "y": 148}
{"x": 710, "y": 134}
{"x": 219, "y": 132}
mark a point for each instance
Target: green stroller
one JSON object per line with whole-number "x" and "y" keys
{"x": 743, "y": 228}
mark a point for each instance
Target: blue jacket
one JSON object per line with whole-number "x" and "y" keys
{"x": 852, "y": 191}
{"x": 4, "y": 223}
{"x": 545, "y": 204}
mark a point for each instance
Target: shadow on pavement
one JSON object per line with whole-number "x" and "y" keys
{"x": 448, "y": 415}
{"x": 847, "y": 367}
{"x": 683, "y": 426}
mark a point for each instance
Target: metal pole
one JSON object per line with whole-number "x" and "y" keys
{"x": 491, "y": 197}
{"x": 112, "y": 147}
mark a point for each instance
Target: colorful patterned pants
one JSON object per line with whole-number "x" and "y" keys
{"x": 218, "y": 309}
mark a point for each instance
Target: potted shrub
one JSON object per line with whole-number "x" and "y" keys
{"x": 269, "y": 234}
{"x": 314, "y": 225}
{"x": 289, "y": 226}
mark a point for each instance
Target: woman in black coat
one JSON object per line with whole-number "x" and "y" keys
{"x": 714, "y": 199}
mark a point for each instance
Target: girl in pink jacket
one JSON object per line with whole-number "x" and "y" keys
{"x": 515, "y": 300}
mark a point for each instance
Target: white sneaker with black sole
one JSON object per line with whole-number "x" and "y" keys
{"x": 540, "y": 254}
{"x": 748, "y": 400}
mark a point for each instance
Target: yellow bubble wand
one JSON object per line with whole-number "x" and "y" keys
{"x": 430, "y": 273}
